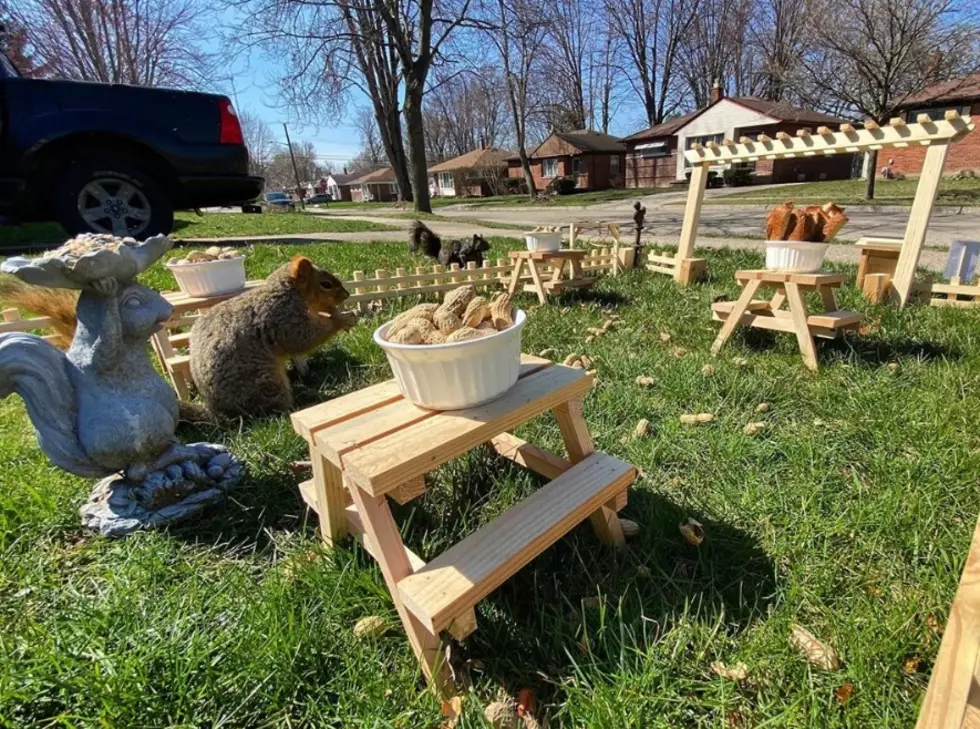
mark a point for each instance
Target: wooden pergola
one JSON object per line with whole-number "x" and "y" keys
{"x": 935, "y": 135}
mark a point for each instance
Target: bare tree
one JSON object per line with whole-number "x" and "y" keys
{"x": 331, "y": 50}
{"x": 144, "y": 42}
{"x": 517, "y": 29}
{"x": 651, "y": 34}
{"x": 13, "y": 42}
{"x": 372, "y": 147}
{"x": 714, "y": 49}
{"x": 279, "y": 172}
{"x": 780, "y": 32}
{"x": 871, "y": 55}
{"x": 570, "y": 53}
{"x": 465, "y": 112}
{"x": 259, "y": 140}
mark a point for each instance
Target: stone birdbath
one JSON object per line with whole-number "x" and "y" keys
{"x": 101, "y": 410}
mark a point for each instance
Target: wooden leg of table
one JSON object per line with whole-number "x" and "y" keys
{"x": 735, "y": 316}
{"x": 578, "y": 443}
{"x": 536, "y": 277}
{"x": 380, "y": 526}
{"x": 576, "y": 265}
{"x": 556, "y": 274}
{"x": 328, "y": 483}
{"x": 777, "y": 300}
{"x": 798, "y": 314}
{"x": 515, "y": 279}
{"x": 829, "y": 302}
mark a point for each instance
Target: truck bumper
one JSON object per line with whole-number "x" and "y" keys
{"x": 208, "y": 191}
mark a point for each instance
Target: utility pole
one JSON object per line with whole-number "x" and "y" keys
{"x": 289, "y": 144}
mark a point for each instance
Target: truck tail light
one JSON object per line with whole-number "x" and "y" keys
{"x": 230, "y": 129}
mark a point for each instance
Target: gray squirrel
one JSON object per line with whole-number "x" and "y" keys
{"x": 100, "y": 408}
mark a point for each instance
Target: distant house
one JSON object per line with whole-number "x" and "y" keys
{"x": 593, "y": 158}
{"x": 474, "y": 174}
{"x": 376, "y": 186}
{"x": 654, "y": 157}
{"x": 338, "y": 186}
{"x": 960, "y": 94}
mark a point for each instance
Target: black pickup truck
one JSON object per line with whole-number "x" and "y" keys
{"x": 118, "y": 159}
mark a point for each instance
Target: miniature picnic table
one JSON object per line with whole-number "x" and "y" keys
{"x": 373, "y": 443}
{"x": 557, "y": 260}
{"x": 769, "y": 314}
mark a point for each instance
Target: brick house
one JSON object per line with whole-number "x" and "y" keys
{"x": 376, "y": 186}
{"x": 338, "y": 186}
{"x": 593, "y": 158}
{"x": 961, "y": 94}
{"x": 474, "y": 174}
{"x": 654, "y": 158}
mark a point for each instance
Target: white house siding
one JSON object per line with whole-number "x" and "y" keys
{"x": 722, "y": 119}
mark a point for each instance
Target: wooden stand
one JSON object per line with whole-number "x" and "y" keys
{"x": 936, "y": 136}
{"x": 372, "y": 444}
{"x": 769, "y": 314}
{"x": 953, "y": 698}
{"x": 557, "y": 260}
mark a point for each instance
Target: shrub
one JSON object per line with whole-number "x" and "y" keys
{"x": 737, "y": 176}
{"x": 513, "y": 186}
{"x": 562, "y": 185}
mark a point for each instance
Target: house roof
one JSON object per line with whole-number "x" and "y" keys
{"x": 343, "y": 179}
{"x": 964, "y": 88}
{"x": 665, "y": 129}
{"x": 385, "y": 174}
{"x": 479, "y": 157}
{"x": 785, "y": 112}
{"x": 584, "y": 140}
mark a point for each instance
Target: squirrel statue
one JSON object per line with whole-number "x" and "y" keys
{"x": 421, "y": 238}
{"x": 239, "y": 348}
{"x": 99, "y": 408}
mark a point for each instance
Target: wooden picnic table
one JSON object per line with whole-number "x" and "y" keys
{"x": 770, "y": 314}
{"x": 558, "y": 261}
{"x": 373, "y": 444}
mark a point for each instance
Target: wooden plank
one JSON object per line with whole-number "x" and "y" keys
{"x": 802, "y": 279}
{"x": 915, "y": 233}
{"x": 25, "y": 325}
{"x": 835, "y": 319}
{"x": 848, "y": 139}
{"x": 472, "y": 569}
{"x": 773, "y": 323}
{"x": 380, "y": 466}
{"x": 692, "y": 212}
{"x": 330, "y": 497}
{"x": 306, "y": 422}
{"x": 954, "y": 672}
{"x": 754, "y": 305}
{"x": 798, "y": 317}
{"x": 734, "y": 315}
{"x": 531, "y": 457}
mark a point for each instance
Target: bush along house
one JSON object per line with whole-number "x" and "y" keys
{"x": 961, "y": 95}
{"x": 585, "y": 159}
{"x": 477, "y": 173}
{"x": 654, "y": 159}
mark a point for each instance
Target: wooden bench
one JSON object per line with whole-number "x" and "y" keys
{"x": 373, "y": 444}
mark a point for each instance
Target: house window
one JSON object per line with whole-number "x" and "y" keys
{"x": 650, "y": 150}
{"x": 578, "y": 166}
{"x": 936, "y": 113}
{"x": 702, "y": 140}
{"x": 614, "y": 165}
{"x": 446, "y": 180}
{"x": 549, "y": 167}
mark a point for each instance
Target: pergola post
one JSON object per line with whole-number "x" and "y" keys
{"x": 687, "y": 268}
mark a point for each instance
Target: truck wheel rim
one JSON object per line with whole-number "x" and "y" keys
{"x": 114, "y": 206}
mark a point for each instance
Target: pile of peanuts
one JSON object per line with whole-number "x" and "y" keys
{"x": 214, "y": 253}
{"x": 89, "y": 243}
{"x": 546, "y": 229}
{"x": 461, "y": 316}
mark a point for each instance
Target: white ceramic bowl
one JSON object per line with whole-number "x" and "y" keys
{"x": 543, "y": 241}
{"x": 456, "y": 375}
{"x": 210, "y": 278}
{"x": 794, "y": 256}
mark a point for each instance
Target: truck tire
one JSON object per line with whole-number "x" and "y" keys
{"x": 112, "y": 196}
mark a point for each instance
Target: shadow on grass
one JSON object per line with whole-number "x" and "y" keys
{"x": 592, "y": 296}
{"x": 872, "y": 352}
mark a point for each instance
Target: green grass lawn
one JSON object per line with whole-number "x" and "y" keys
{"x": 850, "y": 515}
{"x": 576, "y": 199}
{"x": 210, "y": 225}
{"x": 851, "y": 192}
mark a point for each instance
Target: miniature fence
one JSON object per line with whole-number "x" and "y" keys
{"x": 936, "y": 136}
{"x": 14, "y": 322}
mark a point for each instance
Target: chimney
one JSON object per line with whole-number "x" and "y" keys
{"x": 717, "y": 94}
{"x": 345, "y": 169}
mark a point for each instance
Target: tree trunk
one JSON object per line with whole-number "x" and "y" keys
{"x": 416, "y": 146}
{"x": 390, "y": 128}
{"x": 528, "y": 175}
{"x": 871, "y": 173}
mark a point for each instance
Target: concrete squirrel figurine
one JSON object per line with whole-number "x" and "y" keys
{"x": 422, "y": 239}
{"x": 240, "y": 347}
{"x": 101, "y": 407}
